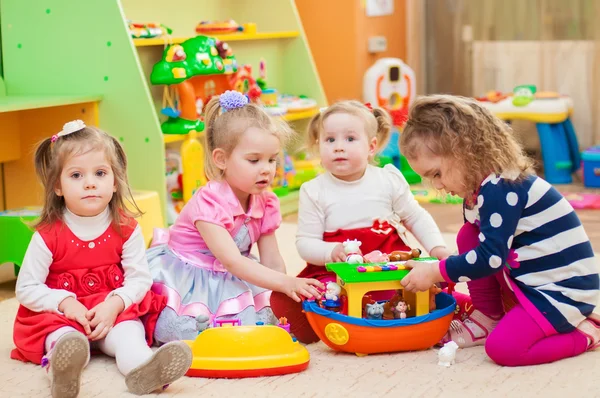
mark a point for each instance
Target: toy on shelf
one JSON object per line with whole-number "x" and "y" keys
{"x": 551, "y": 112}
{"x": 390, "y": 84}
{"x": 174, "y": 170}
{"x": 198, "y": 68}
{"x": 224, "y": 27}
{"x": 243, "y": 82}
{"x": 432, "y": 196}
{"x": 148, "y": 30}
{"x": 233, "y": 351}
{"x": 406, "y": 322}
{"x": 284, "y": 174}
{"x": 294, "y": 103}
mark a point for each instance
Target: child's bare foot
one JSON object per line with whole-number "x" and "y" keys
{"x": 169, "y": 363}
{"x": 472, "y": 331}
{"x": 591, "y": 328}
{"x": 66, "y": 361}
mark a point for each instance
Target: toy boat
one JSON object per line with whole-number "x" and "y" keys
{"x": 366, "y": 336}
{"x": 246, "y": 351}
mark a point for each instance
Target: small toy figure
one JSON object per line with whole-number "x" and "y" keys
{"x": 447, "y": 354}
{"x": 404, "y": 256}
{"x": 332, "y": 297}
{"x": 375, "y": 311}
{"x": 400, "y": 310}
{"x": 283, "y": 323}
{"x": 351, "y": 248}
{"x": 433, "y": 291}
{"x": 388, "y": 308}
{"x": 376, "y": 256}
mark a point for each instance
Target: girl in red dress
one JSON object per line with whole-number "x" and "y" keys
{"x": 352, "y": 200}
{"x": 85, "y": 277}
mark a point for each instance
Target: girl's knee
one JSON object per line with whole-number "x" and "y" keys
{"x": 501, "y": 351}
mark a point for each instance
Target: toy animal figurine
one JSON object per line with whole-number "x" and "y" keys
{"x": 404, "y": 256}
{"x": 375, "y": 311}
{"x": 388, "y": 308}
{"x": 433, "y": 291}
{"x": 376, "y": 256}
{"x": 400, "y": 310}
{"x": 352, "y": 250}
{"x": 332, "y": 297}
{"x": 447, "y": 354}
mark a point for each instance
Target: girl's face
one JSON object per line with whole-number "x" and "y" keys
{"x": 344, "y": 146}
{"x": 87, "y": 183}
{"x": 250, "y": 168}
{"x": 443, "y": 172}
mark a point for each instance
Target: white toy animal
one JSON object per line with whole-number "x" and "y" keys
{"x": 351, "y": 248}
{"x": 447, "y": 354}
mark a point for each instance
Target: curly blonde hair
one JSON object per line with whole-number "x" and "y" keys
{"x": 224, "y": 129}
{"x": 460, "y": 129}
{"x": 50, "y": 158}
{"x": 377, "y": 122}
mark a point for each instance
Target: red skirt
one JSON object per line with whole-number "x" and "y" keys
{"x": 32, "y": 328}
{"x": 371, "y": 241}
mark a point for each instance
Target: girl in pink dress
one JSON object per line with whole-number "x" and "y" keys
{"x": 203, "y": 264}
{"x": 85, "y": 277}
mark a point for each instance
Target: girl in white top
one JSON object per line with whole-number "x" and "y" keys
{"x": 352, "y": 200}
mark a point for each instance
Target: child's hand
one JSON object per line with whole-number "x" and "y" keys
{"x": 338, "y": 254}
{"x": 421, "y": 276}
{"x": 440, "y": 252}
{"x": 102, "y": 317}
{"x": 75, "y": 311}
{"x": 296, "y": 287}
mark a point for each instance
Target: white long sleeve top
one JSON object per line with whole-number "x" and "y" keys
{"x": 328, "y": 204}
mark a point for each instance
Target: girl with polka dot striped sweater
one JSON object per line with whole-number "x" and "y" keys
{"x": 524, "y": 254}
{"x": 85, "y": 280}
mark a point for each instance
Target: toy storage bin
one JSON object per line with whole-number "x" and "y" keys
{"x": 591, "y": 167}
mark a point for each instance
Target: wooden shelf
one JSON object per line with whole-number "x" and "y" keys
{"x": 159, "y": 41}
{"x": 290, "y": 117}
{"x": 12, "y": 103}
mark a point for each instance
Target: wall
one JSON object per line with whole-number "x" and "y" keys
{"x": 341, "y": 54}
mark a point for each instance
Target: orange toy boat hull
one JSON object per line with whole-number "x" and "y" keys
{"x": 363, "y": 336}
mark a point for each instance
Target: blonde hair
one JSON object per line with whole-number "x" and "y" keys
{"x": 378, "y": 123}
{"x": 461, "y": 129}
{"x": 50, "y": 158}
{"x": 224, "y": 129}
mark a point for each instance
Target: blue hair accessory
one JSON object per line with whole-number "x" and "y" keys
{"x": 232, "y": 100}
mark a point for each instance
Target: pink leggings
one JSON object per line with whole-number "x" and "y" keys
{"x": 517, "y": 340}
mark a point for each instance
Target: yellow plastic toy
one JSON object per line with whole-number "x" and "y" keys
{"x": 246, "y": 351}
{"x": 192, "y": 157}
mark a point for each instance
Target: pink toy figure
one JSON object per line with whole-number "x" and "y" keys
{"x": 283, "y": 323}
{"x": 400, "y": 310}
{"x": 230, "y": 322}
{"x": 376, "y": 256}
{"x": 352, "y": 250}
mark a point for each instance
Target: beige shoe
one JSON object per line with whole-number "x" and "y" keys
{"x": 169, "y": 363}
{"x": 470, "y": 332}
{"x": 65, "y": 362}
{"x": 591, "y": 328}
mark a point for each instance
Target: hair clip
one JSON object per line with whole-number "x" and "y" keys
{"x": 69, "y": 128}
{"x": 368, "y": 105}
{"x": 231, "y": 99}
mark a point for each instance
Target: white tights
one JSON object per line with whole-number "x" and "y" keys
{"x": 126, "y": 342}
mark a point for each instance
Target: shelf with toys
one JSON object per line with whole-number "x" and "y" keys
{"x": 188, "y": 57}
{"x": 161, "y": 41}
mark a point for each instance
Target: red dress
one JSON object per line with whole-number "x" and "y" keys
{"x": 91, "y": 270}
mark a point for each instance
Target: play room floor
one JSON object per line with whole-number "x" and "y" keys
{"x": 333, "y": 374}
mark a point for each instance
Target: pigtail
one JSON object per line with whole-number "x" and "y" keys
{"x": 213, "y": 110}
{"x": 384, "y": 127}
{"x": 314, "y": 130}
{"x": 52, "y": 208}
